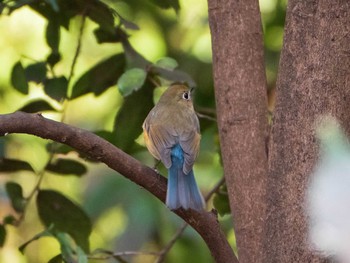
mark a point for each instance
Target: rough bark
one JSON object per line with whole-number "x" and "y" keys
{"x": 240, "y": 90}
{"x": 205, "y": 223}
{"x": 314, "y": 79}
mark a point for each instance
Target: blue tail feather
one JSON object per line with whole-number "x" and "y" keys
{"x": 182, "y": 188}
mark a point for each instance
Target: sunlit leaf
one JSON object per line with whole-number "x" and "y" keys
{"x": 13, "y": 165}
{"x": 2, "y": 235}
{"x": 167, "y": 63}
{"x": 56, "y": 88}
{"x": 36, "y": 72}
{"x": 56, "y": 259}
{"x": 15, "y": 193}
{"x": 66, "y": 167}
{"x": 100, "y": 77}
{"x": 46, "y": 233}
{"x": 137, "y": 105}
{"x": 37, "y": 106}
{"x": 66, "y": 216}
{"x": 18, "y": 78}
{"x": 131, "y": 80}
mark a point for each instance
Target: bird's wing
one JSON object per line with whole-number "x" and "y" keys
{"x": 189, "y": 142}
{"x": 159, "y": 142}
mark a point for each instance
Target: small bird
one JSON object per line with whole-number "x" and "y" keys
{"x": 171, "y": 133}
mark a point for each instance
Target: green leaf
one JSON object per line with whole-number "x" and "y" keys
{"x": 66, "y": 216}
{"x": 68, "y": 9}
{"x": 100, "y": 77}
{"x": 53, "y": 58}
{"x": 167, "y": 4}
{"x": 54, "y": 5}
{"x": 82, "y": 257}
{"x": 56, "y": 88}
{"x": 127, "y": 24}
{"x": 18, "y": 78}
{"x": 104, "y": 36}
{"x": 66, "y": 167}
{"x": 101, "y": 14}
{"x": 12, "y": 165}
{"x": 167, "y": 63}
{"x": 15, "y": 193}
{"x": 66, "y": 246}
{"x": 174, "y": 75}
{"x": 37, "y": 106}
{"x": 56, "y": 259}
{"x": 127, "y": 129}
{"x": 53, "y": 34}
{"x": 9, "y": 220}
{"x": 46, "y": 233}
{"x": 131, "y": 80}
{"x": 36, "y": 72}
{"x": 18, "y": 4}
{"x": 221, "y": 202}
{"x": 2, "y": 235}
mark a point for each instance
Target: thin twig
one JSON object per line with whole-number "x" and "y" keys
{"x": 166, "y": 249}
{"x": 108, "y": 255}
{"x": 204, "y": 116}
{"x": 214, "y": 189}
{"x": 77, "y": 50}
{"x": 99, "y": 149}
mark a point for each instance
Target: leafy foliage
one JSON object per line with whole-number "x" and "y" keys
{"x": 100, "y": 77}
{"x": 66, "y": 167}
{"x": 13, "y": 165}
{"x": 18, "y": 78}
{"x": 134, "y": 77}
{"x": 2, "y": 235}
{"x": 58, "y": 211}
{"x": 15, "y": 194}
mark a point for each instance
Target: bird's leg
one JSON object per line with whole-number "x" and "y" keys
{"x": 157, "y": 162}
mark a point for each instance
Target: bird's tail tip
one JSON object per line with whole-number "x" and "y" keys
{"x": 184, "y": 192}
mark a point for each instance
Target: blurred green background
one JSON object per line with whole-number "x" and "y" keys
{"x": 37, "y": 49}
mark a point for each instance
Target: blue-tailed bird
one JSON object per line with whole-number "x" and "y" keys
{"x": 171, "y": 133}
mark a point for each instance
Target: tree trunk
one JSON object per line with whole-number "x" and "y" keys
{"x": 240, "y": 90}
{"x": 314, "y": 79}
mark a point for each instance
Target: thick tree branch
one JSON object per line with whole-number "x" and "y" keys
{"x": 205, "y": 223}
{"x": 241, "y": 99}
{"x": 313, "y": 80}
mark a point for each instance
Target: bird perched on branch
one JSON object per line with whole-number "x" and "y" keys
{"x": 171, "y": 133}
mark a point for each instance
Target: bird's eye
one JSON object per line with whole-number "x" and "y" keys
{"x": 186, "y": 96}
